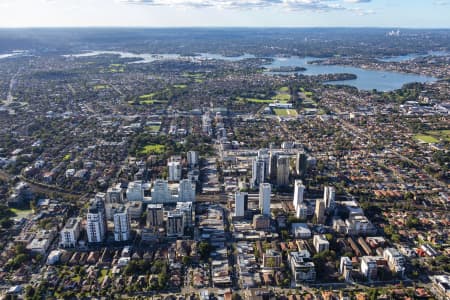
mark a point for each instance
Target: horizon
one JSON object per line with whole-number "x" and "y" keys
{"x": 431, "y": 14}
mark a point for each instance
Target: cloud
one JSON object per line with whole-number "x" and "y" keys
{"x": 311, "y": 5}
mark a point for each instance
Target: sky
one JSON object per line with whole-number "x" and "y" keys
{"x": 226, "y": 13}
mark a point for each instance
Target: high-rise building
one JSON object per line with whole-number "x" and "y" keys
{"x": 258, "y": 169}
{"x": 321, "y": 243}
{"x": 114, "y": 194}
{"x": 186, "y": 191}
{"x": 186, "y": 209}
{"x": 319, "y": 211}
{"x": 273, "y": 165}
{"x": 160, "y": 191}
{"x": 192, "y": 158}
{"x": 301, "y": 163}
{"x": 299, "y": 190}
{"x": 174, "y": 170}
{"x": 263, "y": 154}
{"x": 265, "y": 190}
{"x": 241, "y": 204}
{"x": 155, "y": 215}
{"x": 96, "y": 222}
{"x": 175, "y": 224}
{"x": 329, "y": 195}
{"x": 135, "y": 192}
{"x": 283, "y": 169}
{"x": 122, "y": 226}
{"x": 301, "y": 212}
{"x": 70, "y": 233}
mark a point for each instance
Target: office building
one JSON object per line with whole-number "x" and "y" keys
{"x": 96, "y": 222}
{"x": 265, "y": 190}
{"x": 70, "y": 233}
{"x": 122, "y": 227}
{"x": 283, "y": 170}
{"x": 241, "y": 204}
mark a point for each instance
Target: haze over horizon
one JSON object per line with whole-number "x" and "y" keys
{"x": 225, "y": 13}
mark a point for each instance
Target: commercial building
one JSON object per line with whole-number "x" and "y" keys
{"x": 301, "y": 162}
{"x": 70, "y": 233}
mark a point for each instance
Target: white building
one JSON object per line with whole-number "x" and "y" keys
{"x": 241, "y": 204}
{"x": 174, "y": 170}
{"x": 369, "y": 266}
{"x": 301, "y": 212}
{"x": 265, "y": 190}
{"x": 70, "y": 233}
{"x": 395, "y": 260}
{"x": 321, "y": 243}
{"x": 301, "y": 230}
{"x": 299, "y": 190}
{"x": 186, "y": 191}
{"x": 346, "y": 267}
{"x": 96, "y": 222}
{"x": 329, "y": 195}
{"x": 114, "y": 194}
{"x": 175, "y": 224}
{"x": 122, "y": 227}
{"x": 302, "y": 267}
{"x": 192, "y": 158}
{"x": 359, "y": 225}
{"x": 161, "y": 192}
{"x": 135, "y": 191}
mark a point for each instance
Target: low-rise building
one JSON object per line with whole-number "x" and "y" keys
{"x": 302, "y": 268}
{"x": 321, "y": 243}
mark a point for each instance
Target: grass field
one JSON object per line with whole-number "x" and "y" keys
{"x": 284, "y": 89}
{"x": 254, "y": 100}
{"x": 434, "y": 136}
{"x": 147, "y": 96}
{"x": 21, "y": 213}
{"x": 285, "y": 112}
{"x": 153, "y": 128}
{"x": 180, "y": 86}
{"x": 99, "y": 87}
{"x": 283, "y": 98}
{"x": 152, "y": 149}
